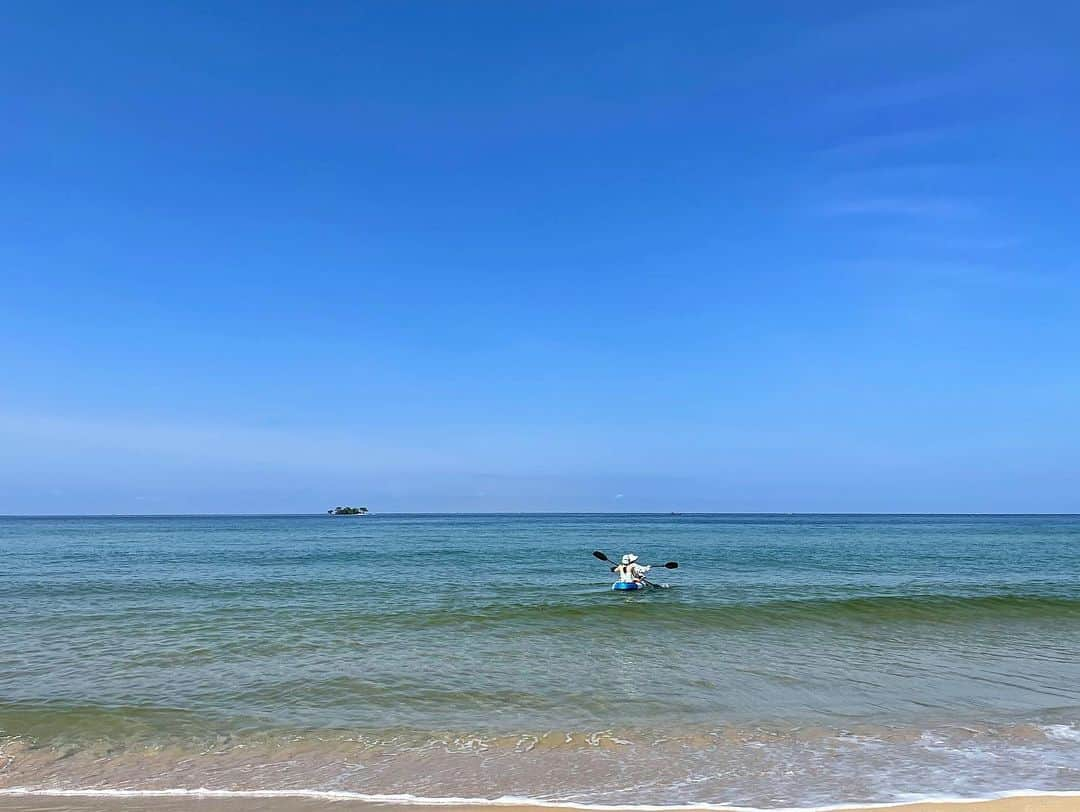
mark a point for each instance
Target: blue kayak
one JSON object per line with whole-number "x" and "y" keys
{"x": 622, "y": 586}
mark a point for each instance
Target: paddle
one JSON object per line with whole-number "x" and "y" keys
{"x": 670, "y": 565}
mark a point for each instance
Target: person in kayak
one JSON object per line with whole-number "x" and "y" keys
{"x": 629, "y": 571}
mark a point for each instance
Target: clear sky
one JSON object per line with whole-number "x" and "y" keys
{"x": 524, "y": 255}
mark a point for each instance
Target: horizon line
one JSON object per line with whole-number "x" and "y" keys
{"x": 519, "y": 513}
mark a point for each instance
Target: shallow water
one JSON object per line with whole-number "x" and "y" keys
{"x": 794, "y": 660}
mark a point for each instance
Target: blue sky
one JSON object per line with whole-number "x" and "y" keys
{"x": 539, "y": 256}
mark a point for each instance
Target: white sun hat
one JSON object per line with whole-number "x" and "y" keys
{"x": 629, "y": 558}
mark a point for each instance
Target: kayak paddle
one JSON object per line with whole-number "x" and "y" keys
{"x": 670, "y": 565}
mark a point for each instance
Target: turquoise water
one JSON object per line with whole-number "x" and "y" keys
{"x": 793, "y": 660}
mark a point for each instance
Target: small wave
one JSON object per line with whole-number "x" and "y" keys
{"x": 867, "y": 609}
{"x": 1061, "y": 733}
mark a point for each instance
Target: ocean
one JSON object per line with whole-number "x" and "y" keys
{"x": 794, "y": 660}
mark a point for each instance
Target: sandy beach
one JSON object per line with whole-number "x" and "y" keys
{"x": 62, "y": 803}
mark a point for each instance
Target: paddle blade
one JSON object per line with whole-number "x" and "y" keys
{"x": 671, "y": 565}
{"x": 601, "y": 556}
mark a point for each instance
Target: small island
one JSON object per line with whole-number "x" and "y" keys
{"x": 348, "y": 511}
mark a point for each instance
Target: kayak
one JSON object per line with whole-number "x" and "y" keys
{"x": 622, "y": 586}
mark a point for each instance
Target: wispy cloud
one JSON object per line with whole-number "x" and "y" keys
{"x": 979, "y": 274}
{"x": 870, "y": 145}
{"x": 936, "y": 207}
{"x": 902, "y": 93}
{"x": 209, "y": 445}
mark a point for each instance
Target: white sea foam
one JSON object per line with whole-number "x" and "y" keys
{"x": 1061, "y": 733}
{"x": 417, "y": 800}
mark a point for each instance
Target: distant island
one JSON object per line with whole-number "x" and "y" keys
{"x": 347, "y": 511}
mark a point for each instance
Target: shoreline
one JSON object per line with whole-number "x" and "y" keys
{"x": 16, "y": 799}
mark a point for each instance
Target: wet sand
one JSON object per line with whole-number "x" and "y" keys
{"x": 54, "y": 803}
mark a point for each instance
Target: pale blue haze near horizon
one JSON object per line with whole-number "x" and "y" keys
{"x": 499, "y": 256}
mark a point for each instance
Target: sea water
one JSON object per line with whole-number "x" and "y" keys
{"x": 794, "y": 660}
